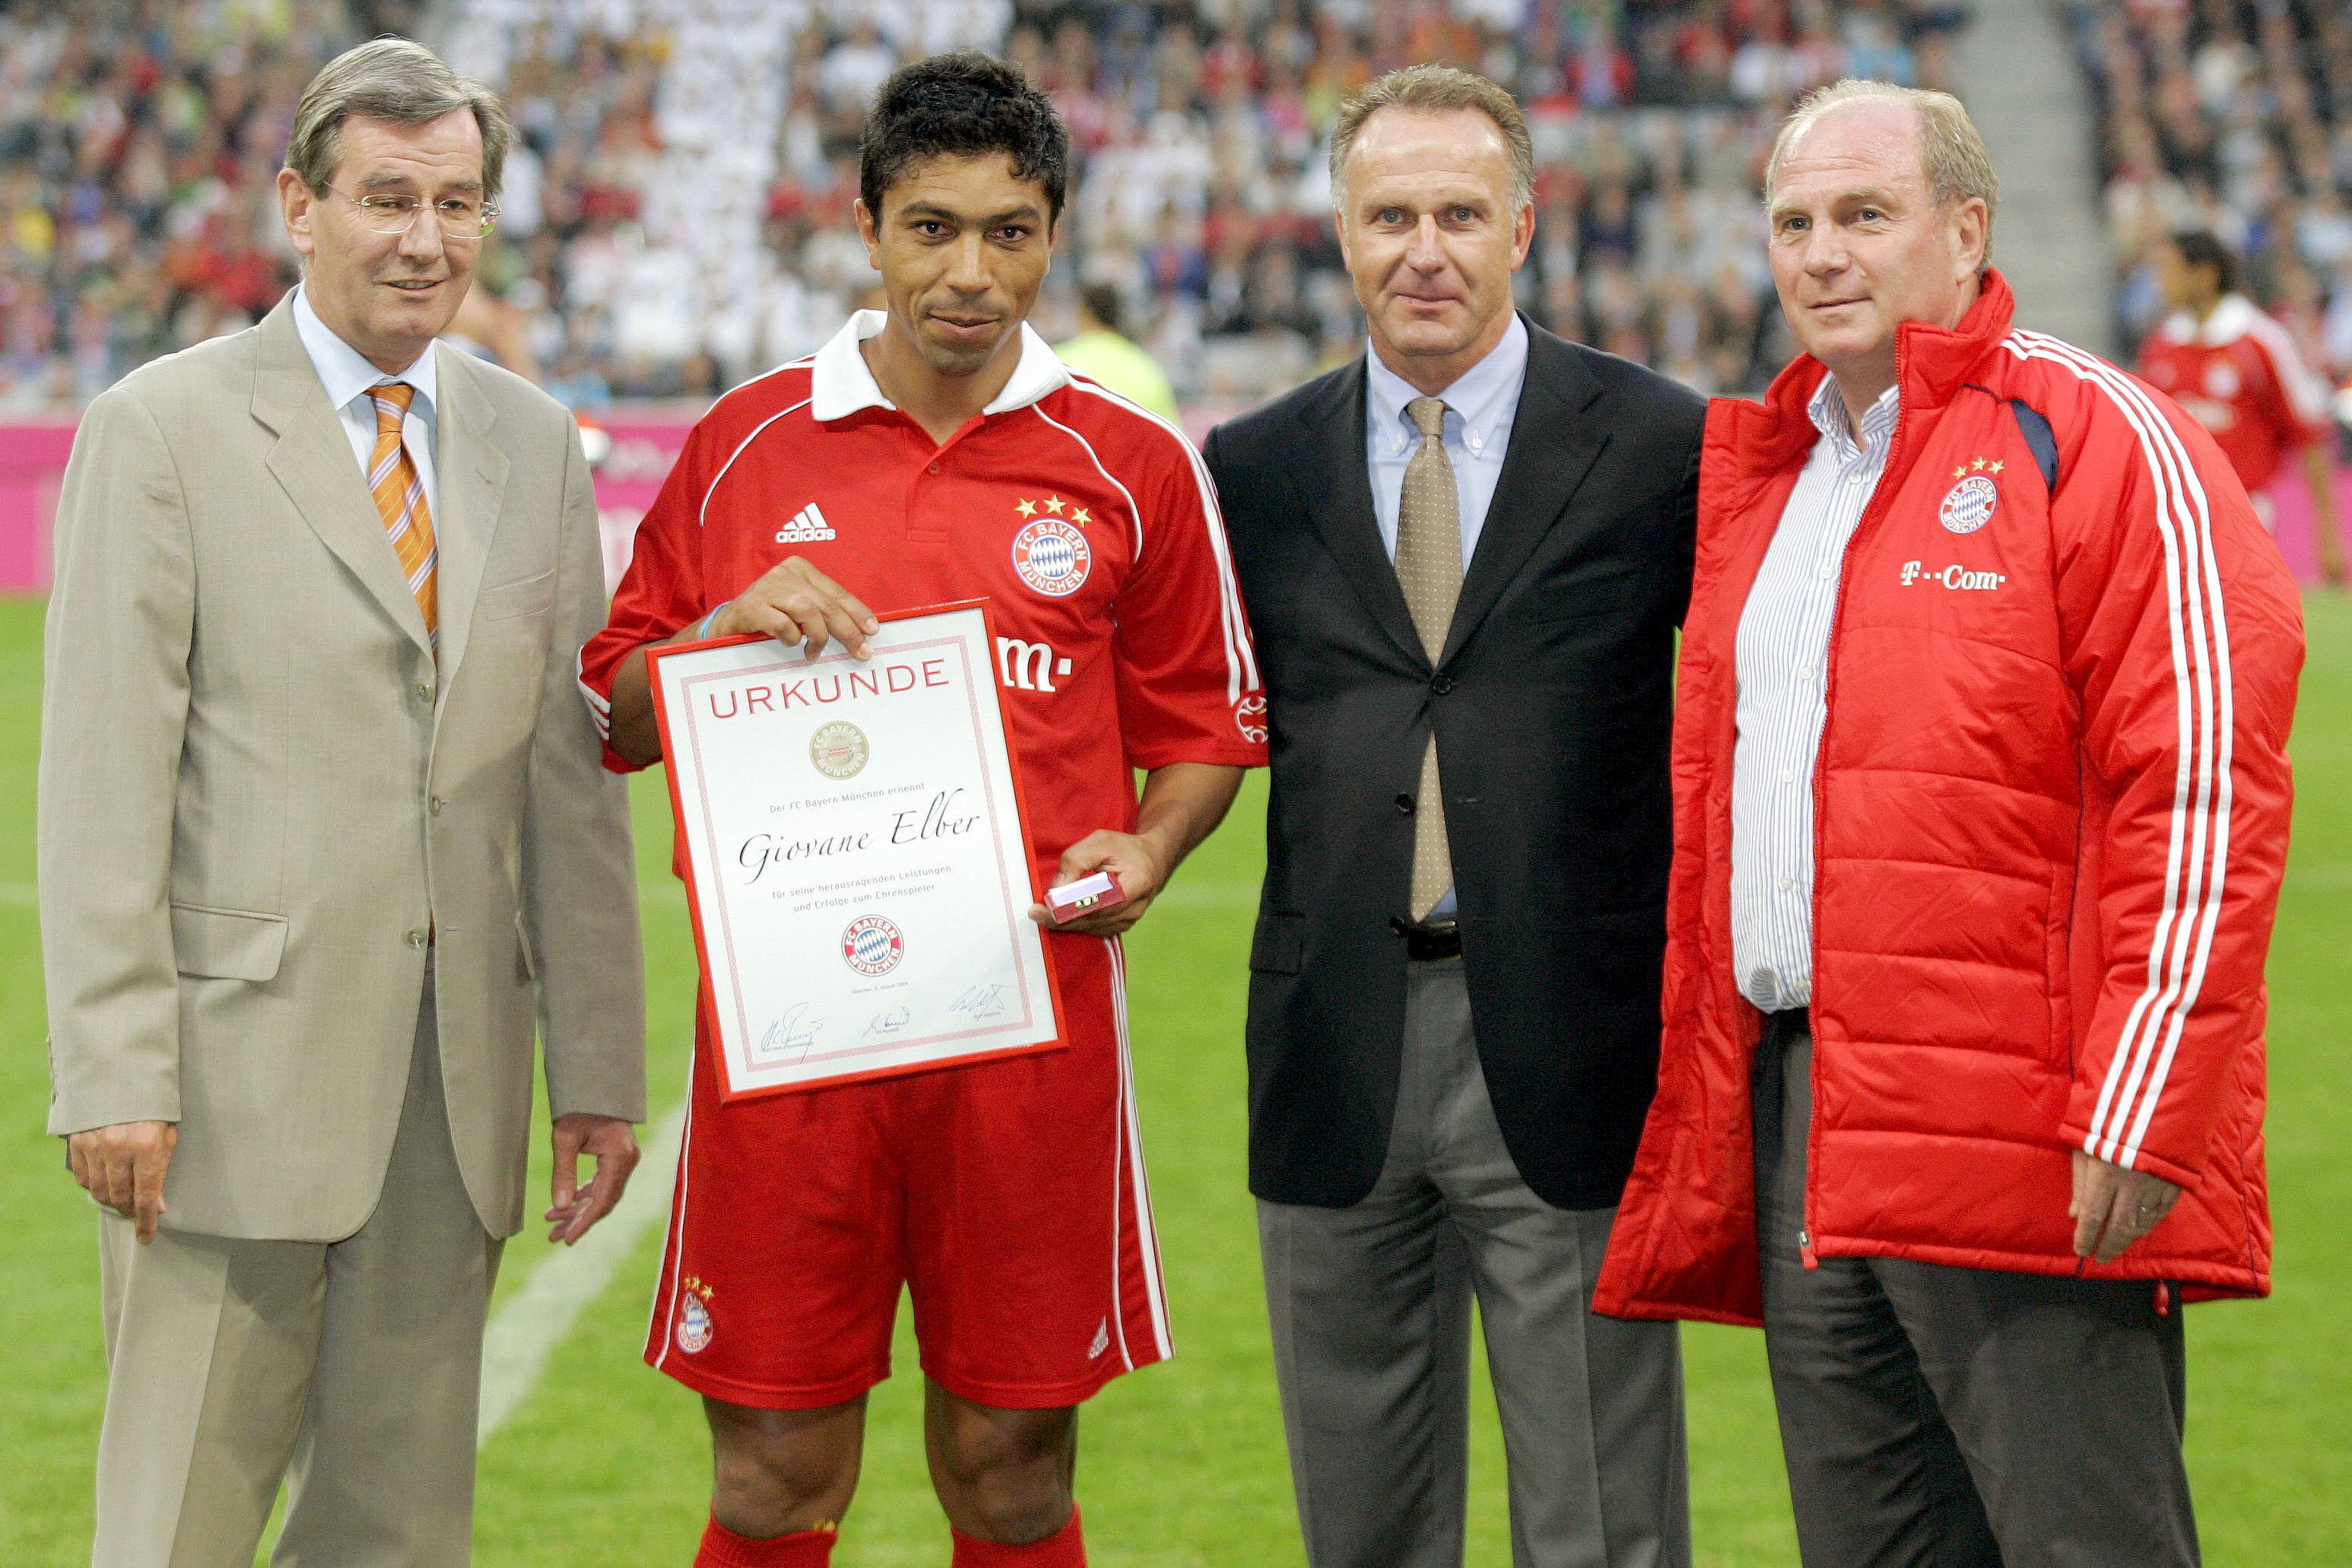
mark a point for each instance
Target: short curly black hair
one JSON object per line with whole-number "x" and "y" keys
{"x": 963, "y": 104}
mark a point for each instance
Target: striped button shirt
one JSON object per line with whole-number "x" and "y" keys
{"x": 1783, "y": 645}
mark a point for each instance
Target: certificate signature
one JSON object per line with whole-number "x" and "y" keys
{"x": 980, "y": 1000}
{"x": 795, "y": 1032}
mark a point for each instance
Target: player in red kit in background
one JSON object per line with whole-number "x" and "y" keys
{"x": 2236, "y": 372}
{"x": 934, "y": 451}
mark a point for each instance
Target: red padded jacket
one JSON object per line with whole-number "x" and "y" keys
{"x": 2051, "y": 814}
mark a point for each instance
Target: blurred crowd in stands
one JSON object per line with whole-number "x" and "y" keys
{"x": 676, "y": 211}
{"x": 2235, "y": 119}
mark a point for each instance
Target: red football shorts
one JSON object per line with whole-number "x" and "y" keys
{"x": 1008, "y": 1198}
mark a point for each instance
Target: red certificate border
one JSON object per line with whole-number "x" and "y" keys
{"x": 662, "y": 721}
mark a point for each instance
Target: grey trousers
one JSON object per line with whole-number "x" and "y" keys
{"x": 1370, "y": 1313}
{"x": 354, "y": 1367}
{"x": 1949, "y": 1417}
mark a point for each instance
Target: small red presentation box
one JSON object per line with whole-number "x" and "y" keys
{"x": 1083, "y": 897}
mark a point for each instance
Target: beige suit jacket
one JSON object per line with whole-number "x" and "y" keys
{"x": 259, "y": 793}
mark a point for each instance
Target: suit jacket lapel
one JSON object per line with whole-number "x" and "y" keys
{"x": 472, "y": 474}
{"x": 1338, "y": 501}
{"x": 312, "y": 460}
{"x": 1554, "y": 444}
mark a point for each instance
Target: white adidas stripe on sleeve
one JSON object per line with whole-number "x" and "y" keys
{"x": 599, "y": 710}
{"x": 2183, "y": 937}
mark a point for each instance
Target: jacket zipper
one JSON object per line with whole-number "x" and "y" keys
{"x": 1881, "y": 502}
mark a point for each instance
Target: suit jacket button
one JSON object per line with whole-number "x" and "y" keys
{"x": 424, "y": 691}
{"x": 416, "y": 938}
{"x": 438, "y": 804}
{"x": 1404, "y": 804}
{"x": 1442, "y": 684}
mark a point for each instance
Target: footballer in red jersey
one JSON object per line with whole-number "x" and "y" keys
{"x": 2235, "y": 371}
{"x": 937, "y": 451}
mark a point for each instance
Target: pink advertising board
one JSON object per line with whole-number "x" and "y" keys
{"x": 645, "y": 443}
{"x": 33, "y": 454}
{"x": 32, "y": 460}
{"x": 2293, "y": 521}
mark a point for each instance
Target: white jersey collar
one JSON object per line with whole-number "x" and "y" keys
{"x": 2233, "y": 318}
{"x": 843, "y": 384}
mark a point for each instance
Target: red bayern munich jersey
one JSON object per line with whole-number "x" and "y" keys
{"x": 1089, "y": 524}
{"x": 2238, "y": 374}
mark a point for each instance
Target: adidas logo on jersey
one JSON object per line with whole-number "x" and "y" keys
{"x": 807, "y": 527}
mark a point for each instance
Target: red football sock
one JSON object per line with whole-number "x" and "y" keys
{"x": 1066, "y": 1548}
{"x": 722, "y": 1548}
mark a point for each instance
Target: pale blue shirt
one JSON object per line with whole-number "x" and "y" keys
{"x": 1480, "y": 407}
{"x": 348, "y": 377}
{"x": 1780, "y": 654}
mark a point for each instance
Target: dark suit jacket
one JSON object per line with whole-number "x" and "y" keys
{"x": 1552, "y": 703}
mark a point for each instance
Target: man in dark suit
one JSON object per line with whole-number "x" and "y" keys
{"x": 1464, "y": 556}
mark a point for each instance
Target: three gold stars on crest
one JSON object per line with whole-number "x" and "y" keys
{"x": 1994, "y": 466}
{"x": 1054, "y": 504}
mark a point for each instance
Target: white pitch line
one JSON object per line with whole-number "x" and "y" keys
{"x": 535, "y": 1318}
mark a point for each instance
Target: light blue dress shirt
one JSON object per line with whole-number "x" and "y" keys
{"x": 1480, "y": 407}
{"x": 1781, "y": 651}
{"x": 348, "y": 377}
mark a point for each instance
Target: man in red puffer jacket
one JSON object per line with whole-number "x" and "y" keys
{"x": 1980, "y": 807}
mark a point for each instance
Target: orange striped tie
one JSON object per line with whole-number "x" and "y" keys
{"x": 400, "y": 500}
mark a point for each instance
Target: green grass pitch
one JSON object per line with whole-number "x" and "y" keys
{"x": 605, "y": 1463}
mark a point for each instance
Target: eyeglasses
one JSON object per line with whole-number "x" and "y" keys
{"x": 461, "y": 218}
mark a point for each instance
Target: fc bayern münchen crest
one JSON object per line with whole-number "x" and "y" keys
{"x": 693, "y": 1323}
{"x": 838, "y": 750}
{"x": 1968, "y": 505}
{"x": 1052, "y": 556}
{"x": 871, "y": 945}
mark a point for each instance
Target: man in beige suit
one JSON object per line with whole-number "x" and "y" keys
{"x": 322, "y": 827}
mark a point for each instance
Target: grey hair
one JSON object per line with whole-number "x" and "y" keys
{"x": 1435, "y": 89}
{"x": 395, "y": 79}
{"x": 1951, "y": 151}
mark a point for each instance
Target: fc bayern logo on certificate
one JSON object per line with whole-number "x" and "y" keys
{"x": 858, "y": 862}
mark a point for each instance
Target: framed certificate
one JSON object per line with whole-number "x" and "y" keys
{"x": 858, "y": 862}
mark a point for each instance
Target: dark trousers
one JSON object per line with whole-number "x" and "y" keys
{"x": 1944, "y": 1418}
{"x": 1370, "y": 1312}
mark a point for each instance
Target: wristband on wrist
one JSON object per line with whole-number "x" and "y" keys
{"x": 702, "y": 632}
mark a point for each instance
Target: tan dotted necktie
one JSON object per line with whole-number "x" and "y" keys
{"x": 1429, "y": 569}
{"x": 399, "y": 494}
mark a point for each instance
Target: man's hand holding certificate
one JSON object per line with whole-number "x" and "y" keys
{"x": 858, "y": 862}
